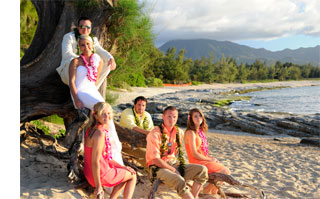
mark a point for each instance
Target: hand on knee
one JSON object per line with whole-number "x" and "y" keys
{"x": 134, "y": 177}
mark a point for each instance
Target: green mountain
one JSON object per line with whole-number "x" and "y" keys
{"x": 196, "y": 48}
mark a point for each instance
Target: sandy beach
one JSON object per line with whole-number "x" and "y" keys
{"x": 280, "y": 166}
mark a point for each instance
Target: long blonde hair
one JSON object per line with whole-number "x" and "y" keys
{"x": 97, "y": 111}
{"x": 191, "y": 125}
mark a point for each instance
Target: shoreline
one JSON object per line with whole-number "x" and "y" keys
{"x": 129, "y": 96}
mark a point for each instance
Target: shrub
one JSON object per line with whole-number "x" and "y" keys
{"x": 195, "y": 83}
{"x": 111, "y": 98}
{"x": 41, "y": 126}
{"x": 46, "y": 130}
{"x": 28, "y": 25}
{"x": 155, "y": 82}
{"x": 54, "y": 119}
{"x": 136, "y": 79}
{"x": 123, "y": 85}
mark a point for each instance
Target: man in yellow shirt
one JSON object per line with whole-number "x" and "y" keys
{"x": 136, "y": 118}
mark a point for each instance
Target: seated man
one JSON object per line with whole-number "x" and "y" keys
{"x": 136, "y": 118}
{"x": 163, "y": 144}
{"x": 71, "y": 50}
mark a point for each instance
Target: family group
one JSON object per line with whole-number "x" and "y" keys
{"x": 84, "y": 66}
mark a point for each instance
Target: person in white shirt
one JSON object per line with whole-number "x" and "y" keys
{"x": 71, "y": 51}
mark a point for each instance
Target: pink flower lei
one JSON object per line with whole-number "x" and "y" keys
{"x": 93, "y": 76}
{"x": 108, "y": 154}
{"x": 204, "y": 142}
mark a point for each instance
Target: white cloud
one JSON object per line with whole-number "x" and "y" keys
{"x": 234, "y": 19}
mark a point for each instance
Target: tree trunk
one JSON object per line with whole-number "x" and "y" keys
{"x": 42, "y": 92}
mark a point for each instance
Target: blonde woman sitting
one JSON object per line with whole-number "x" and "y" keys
{"x": 100, "y": 169}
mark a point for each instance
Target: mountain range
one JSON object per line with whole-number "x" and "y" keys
{"x": 196, "y": 48}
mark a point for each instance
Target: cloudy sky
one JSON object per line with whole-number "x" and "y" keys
{"x": 271, "y": 24}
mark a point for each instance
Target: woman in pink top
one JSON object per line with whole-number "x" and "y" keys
{"x": 99, "y": 167}
{"x": 197, "y": 147}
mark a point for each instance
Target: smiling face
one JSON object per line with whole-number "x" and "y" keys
{"x": 105, "y": 116}
{"x": 170, "y": 118}
{"x": 85, "y": 46}
{"x": 197, "y": 119}
{"x": 140, "y": 106}
{"x": 84, "y": 27}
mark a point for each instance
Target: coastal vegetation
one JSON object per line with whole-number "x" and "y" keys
{"x": 140, "y": 63}
{"x": 131, "y": 28}
{"x": 249, "y": 90}
{"x": 228, "y": 97}
{"x": 39, "y": 124}
{"x": 229, "y": 100}
{"x": 28, "y": 24}
{"x": 226, "y": 70}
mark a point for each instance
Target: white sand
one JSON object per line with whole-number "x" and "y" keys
{"x": 282, "y": 169}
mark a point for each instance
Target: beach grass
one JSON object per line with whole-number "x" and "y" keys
{"x": 54, "y": 119}
{"x": 250, "y": 90}
{"x": 196, "y": 83}
{"x": 229, "y": 101}
{"x": 46, "y": 129}
{"x": 111, "y": 98}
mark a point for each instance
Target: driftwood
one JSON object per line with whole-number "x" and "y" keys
{"x": 132, "y": 165}
{"x": 216, "y": 179}
{"x": 154, "y": 188}
{"x": 75, "y": 154}
{"x": 42, "y": 92}
{"x": 48, "y": 143}
{"x": 75, "y": 166}
{"x": 131, "y": 137}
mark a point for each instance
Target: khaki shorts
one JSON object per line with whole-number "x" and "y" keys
{"x": 197, "y": 173}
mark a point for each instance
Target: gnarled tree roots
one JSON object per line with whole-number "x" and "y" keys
{"x": 216, "y": 178}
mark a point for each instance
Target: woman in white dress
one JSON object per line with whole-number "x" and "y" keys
{"x": 83, "y": 74}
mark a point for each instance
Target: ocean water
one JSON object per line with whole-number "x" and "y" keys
{"x": 299, "y": 100}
